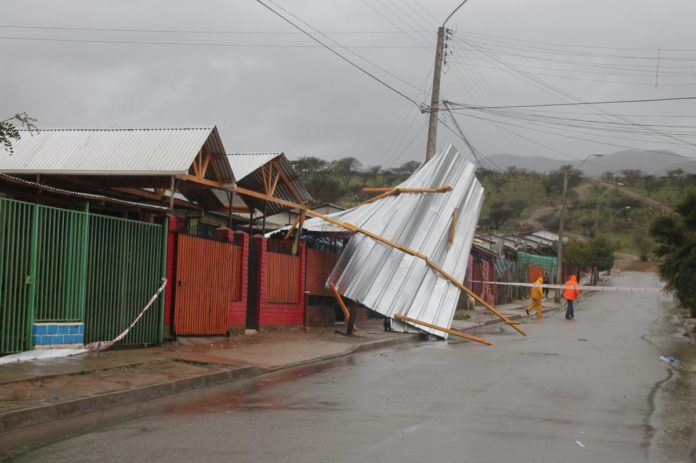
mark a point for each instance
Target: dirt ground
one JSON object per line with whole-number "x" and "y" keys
{"x": 630, "y": 263}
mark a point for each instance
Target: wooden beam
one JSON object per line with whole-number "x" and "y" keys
{"x": 205, "y": 163}
{"x": 289, "y": 184}
{"x": 353, "y": 228}
{"x": 397, "y": 191}
{"x": 233, "y": 209}
{"x": 453, "y": 227}
{"x": 203, "y": 181}
{"x": 292, "y": 227}
{"x": 338, "y": 297}
{"x": 296, "y": 244}
{"x": 213, "y": 166}
{"x": 461, "y": 334}
{"x": 275, "y": 184}
{"x": 155, "y": 197}
{"x": 439, "y": 189}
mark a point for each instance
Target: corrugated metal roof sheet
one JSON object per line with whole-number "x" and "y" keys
{"x": 246, "y": 169}
{"x": 390, "y": 281}
{"x": 245, "y": 163}
{"x": 113, "y": 152}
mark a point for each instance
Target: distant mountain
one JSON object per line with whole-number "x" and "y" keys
{"x": 649, "y": 162}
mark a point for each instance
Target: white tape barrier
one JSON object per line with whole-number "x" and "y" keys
{"x": 103, "y": 345}
{"x": 616, "y": 289}
{"x": 41, "y": 354}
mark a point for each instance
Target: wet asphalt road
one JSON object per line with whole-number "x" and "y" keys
{"x": 589, "y": 390}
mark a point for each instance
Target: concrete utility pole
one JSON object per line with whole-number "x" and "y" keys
{"x": 435, "y": 98}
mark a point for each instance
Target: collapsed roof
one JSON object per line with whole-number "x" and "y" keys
{"x": 391, "y": 282}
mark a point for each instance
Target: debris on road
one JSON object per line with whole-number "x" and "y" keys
{"x": 670, "y": 359}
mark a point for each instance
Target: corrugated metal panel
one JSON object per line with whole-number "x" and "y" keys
{"x": 113, "y": 152}
{"x": 390, "y": 281}
{"x": 247, "y": 171}
{"x": 245, "y": 163}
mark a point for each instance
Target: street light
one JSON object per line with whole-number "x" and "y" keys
{"x": 561, "y": 217}
{"x": 611, "y": 216}
{"x": 599, "y": 201}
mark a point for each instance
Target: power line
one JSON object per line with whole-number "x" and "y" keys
{"x": 193, "y": 31}
{"x": 197, "y": 44}
{"x": 361, "y": 69}
{"x": 580, "y": 103}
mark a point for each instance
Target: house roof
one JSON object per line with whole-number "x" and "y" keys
{"x": 114, "y": 152}
{"x": 246, "y": 163}
{"x": 255, "y": 171}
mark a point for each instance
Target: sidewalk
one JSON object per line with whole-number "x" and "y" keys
{"x": 481, "y": 317}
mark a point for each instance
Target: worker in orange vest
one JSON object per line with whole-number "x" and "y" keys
{"x": 537, "y": 294}
{"x": 570, "y": 294}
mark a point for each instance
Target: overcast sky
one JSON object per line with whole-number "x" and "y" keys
{"x": 280, "y": 92}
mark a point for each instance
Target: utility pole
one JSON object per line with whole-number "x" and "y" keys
{"x": 559, "y": 256}
{"x": 435, "y": 99}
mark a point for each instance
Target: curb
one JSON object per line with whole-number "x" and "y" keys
{"x": 43, "y": 414}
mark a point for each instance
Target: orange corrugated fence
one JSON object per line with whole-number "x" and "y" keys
{"x": 208, "y": 276}
{"x": 319, "y": 267}
{"x": 283, "y": 280}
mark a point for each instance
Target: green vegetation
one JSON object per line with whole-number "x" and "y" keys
{"x": 518, "y": 200}
{"x": 675, "y": 248}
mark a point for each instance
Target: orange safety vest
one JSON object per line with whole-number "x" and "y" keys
{"x": 571, "y": 294}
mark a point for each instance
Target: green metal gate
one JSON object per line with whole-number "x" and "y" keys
{"x": 61, "y": 261}
{"x": 125, "y": 269}
{"x": 17, "y": 266}
{"x": 61, "y": 265}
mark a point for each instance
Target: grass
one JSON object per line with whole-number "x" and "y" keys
{"x": 461, "y": 316}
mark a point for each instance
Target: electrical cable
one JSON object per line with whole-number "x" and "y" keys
{"x": 361, "y": 69}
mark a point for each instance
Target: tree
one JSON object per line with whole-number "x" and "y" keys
{"x": 10, "y": 132}
{"x": 372, "y": 173}
{"x": 677, "y": 177}
{"x": 644, "y": 245}
{"x": 345, "y": 168}
{"x": 498, "y": 180}
{"x": 576, "y": 253}
{"x": 651, "y": 184}
{"x": 324, "y": 188}
{"x": 309, "y": 165}
{"x": 499, "y": 213}
{"x": 675, "y": 249}
{"x": 597, "y": 254}
{"x": 632, "y": 176}
{"x": 409, "y": 167}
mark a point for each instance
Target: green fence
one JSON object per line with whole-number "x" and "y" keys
{"x": 124, "y": 271}
{"x": 60, "y": 265}
{"x": 17, "y": 263}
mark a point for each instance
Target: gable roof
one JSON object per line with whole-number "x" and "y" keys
{"x": 131, "y": 152}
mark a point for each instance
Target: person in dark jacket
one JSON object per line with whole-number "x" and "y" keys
{"x": 546, "y": 282}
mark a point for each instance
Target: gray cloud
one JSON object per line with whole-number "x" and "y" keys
{"x": 307, "y": 101}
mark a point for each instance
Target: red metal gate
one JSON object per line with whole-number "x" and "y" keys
{"x": 208, "y": 277}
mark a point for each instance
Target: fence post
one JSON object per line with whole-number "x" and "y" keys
{"x": 85, "y": 259}
{"x": 31, "y": 278}
{"x": 163, "y": 271}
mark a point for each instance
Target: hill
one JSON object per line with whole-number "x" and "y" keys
{"x": 649, "y": 162}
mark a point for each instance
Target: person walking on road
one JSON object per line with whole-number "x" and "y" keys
{"x": 570, "y": 294}
{"x": 546, "y": 282}
{"x": 537, "y": 294}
